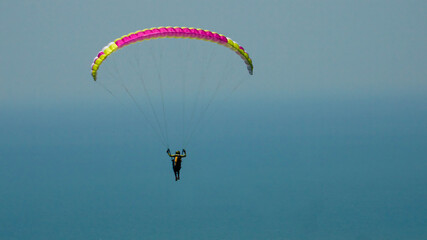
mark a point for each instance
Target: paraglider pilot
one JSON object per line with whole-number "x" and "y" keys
{"x": 176, "y": 161}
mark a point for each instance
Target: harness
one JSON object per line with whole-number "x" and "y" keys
{"x": 176, "y": 160}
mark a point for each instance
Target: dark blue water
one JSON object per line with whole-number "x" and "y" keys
{"x": 297, "y": 169}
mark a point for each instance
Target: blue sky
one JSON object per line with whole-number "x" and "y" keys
{"x": 300, "y": 48}
{"x": 325, "y": 141}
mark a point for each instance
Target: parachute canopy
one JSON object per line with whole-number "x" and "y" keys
{"x": 170, "y": 32}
